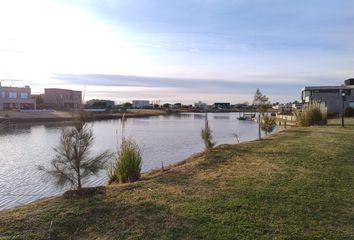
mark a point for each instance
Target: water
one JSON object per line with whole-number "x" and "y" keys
{"x": 163, "y": 139}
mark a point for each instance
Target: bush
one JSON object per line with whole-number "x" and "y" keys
{"x": 349, "y": 112}
{"x": 312, "y": 114}
{"x": 127, "y": 166}
{"x": 268, "y": 124}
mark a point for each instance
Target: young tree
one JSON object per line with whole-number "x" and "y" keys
{"x": 261, "y": 102}
{"x": 268, "y": 124}
{"x": 207, "y": 135}
{"x": 73, "y": 163}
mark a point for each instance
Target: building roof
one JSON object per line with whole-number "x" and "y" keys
{"x": 62, "y": 89}
{"x": 327, "y": 87}
{"x": 348, "y": 84}
{"x": 11, "y": 87}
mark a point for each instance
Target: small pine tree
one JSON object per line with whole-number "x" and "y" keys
{"x": 260, "y": 101}
{"x": 206, "y": 135}
{"x": 73, "y": 162}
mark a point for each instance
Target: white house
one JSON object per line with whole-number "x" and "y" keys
{"x": 141, "y": 104}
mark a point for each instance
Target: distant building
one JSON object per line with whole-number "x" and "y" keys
{"x": 241, "y": 106}
{"x": 221, "y": 105}
{"x": 200, "y": 105}
{"x": 141, "y": 104}
{"x": 331, "y": 96}
{"x": 16, "y": 98}
{"x": 62, "y": 99}
{"x": 281, "y": 107}
{"x": 297, "y": 106}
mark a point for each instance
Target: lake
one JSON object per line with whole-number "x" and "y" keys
{"x": 163, "y": 140}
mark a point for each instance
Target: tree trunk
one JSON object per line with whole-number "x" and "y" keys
{"x": 79, "y": 181}
{"x": 259, "y": 126}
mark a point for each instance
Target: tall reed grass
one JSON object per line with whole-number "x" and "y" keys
{"x": 312, "y": 114}
{"x": 127, "y": 165}
{"x": 206, "y": 135}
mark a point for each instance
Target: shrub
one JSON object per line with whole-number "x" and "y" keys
{"x": 349, "y": 112}
{"x": 206, "y": 135}
{"x": 312, "y": 114}
{"x": 268, "y": 124}
{"x": 127, "y": 167}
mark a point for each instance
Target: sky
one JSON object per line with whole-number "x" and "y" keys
{"x": 177, "y": 51}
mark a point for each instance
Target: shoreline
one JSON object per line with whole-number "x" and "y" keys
{"x": 59, "y": 116}
{"x": 64, "y": 116}
{"x": 146, "y": 175}
{"x": 255, "y": 190}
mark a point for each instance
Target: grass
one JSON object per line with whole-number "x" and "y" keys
{"x": 297, "y": 184}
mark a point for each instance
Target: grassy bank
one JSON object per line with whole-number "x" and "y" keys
{"x": 297, "y": 184}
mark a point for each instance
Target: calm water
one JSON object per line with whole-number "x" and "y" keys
{"x": 163, "y": 139}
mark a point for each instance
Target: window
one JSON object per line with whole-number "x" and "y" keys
{"x": 307, "y": 93}
{"x": 3, "y": 95}
{"x": 351, "y": 104}
{"x": 12, "y": 94}
{"x": 24, "y": 95}
{"x": 328, "y": 91}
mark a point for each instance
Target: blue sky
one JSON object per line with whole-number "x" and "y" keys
{"x": 183, "y": 51}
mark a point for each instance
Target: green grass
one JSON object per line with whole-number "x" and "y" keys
{"x": 297, "y": 184}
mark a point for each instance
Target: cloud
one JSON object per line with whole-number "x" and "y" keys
{"x": 190, "y": 85}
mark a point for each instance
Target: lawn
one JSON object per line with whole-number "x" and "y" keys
{"x": 297, "y": 184}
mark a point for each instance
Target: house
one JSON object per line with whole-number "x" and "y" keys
{"x": 221, "y": 105}
{"x": 331, "y": 96}
{"x": 241, "y": 106}
{"x": 280, "y": 107}
{"x": 62, "y": 99}
{"x": 141, "y": 104}
{"x": 283, "y": 107}
{"x": 16, "y": 98}
{"x": 296, "y": 106}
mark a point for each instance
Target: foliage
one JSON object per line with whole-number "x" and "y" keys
{"x": 99, "y": 104}
{"x": 127, "y": 105}
{"x": 312, "y": 114}
{"x": 268, "y": 124}
{"x": 127, "y": 167}
{"x": 261, "y": 101}
{"x": 39, "y": 102}
{"x": 349, "y": 112}
{"x": 206, "y": 135}
{"x": 73, "y": 164}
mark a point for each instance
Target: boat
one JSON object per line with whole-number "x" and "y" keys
{"x": 247, "y": 116}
